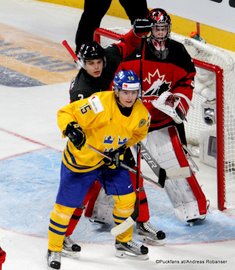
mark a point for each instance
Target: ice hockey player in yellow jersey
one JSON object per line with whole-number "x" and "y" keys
{"x": 110, "y": 121}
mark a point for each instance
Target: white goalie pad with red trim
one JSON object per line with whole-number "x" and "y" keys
{"x": 103, "y": 208}
{"x": 185, "y": 194}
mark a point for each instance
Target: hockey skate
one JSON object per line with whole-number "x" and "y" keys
{"x": 192, "y": 222}
{"x": 131, "y": 249}
{"x": 70, "y": 248}
{"x": 150, "y": 235}
{"x": 53, "y": 259}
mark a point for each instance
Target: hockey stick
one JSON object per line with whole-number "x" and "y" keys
{"x": 71, "y": 52}
{"x": 130, "y": 220}
{"x": 124, "y": 166}
{"x": 135, "y": 214}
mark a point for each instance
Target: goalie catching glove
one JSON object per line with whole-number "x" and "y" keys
{"x": 75, "y": 134}
{"x": 171, "y": 105}
{"x": 142, "y": 27}
{"x": 115, "y": 157}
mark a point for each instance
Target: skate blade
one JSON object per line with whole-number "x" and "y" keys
{"x": 149, "y": 241}
{"x": 129, "y": 255}
{"x": 71, "y": 254}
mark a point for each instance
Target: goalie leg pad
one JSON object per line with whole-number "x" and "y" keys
{"x": 185, "y": 194}
{"x": 192, "y": 181}
{"x": 103, "y": 208}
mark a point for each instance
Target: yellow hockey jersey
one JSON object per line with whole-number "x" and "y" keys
{"x": 106, "y": 128}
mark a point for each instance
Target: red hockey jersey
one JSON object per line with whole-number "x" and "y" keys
{"x": 175, "y": 74}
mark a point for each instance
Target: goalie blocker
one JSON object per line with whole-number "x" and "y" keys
{"x": 185, "y": 194}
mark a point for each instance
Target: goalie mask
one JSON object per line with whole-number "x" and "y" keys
{"x": 161, "y": 29}
{"x": 90, "y": 51}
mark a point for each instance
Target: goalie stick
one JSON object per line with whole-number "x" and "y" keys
{"x": 158, "y": 170}
{"x": 135, "y": 214}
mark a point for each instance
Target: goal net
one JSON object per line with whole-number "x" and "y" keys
{"x": 210, "y": 126}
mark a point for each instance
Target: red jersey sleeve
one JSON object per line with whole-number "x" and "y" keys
{"x": 128, "y": 44}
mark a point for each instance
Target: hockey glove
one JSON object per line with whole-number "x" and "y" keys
{"x": 129, "y": 158}
{"x": 75, "y": 134}
{"x": 170, "y": 104}
{"x": 115, "y": 157}
{"x": 142, "y": 28}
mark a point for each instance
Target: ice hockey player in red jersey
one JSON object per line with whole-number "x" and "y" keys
{"x": 167, "y": 72}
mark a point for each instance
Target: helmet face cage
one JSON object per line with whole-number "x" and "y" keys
{"x": 90, "y": 51}
{"x": 160, "y": 18}
{"x": 126, "y": 80}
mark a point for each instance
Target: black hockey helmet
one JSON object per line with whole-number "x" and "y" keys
{"x": 90, "y": 51}
{"x": 160, "y": 18}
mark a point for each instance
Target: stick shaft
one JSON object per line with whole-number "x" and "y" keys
{"x": 70, "y": 50}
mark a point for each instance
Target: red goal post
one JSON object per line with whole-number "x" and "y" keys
{"x": 219, "y": 132}
{"x": 202, "y": 55}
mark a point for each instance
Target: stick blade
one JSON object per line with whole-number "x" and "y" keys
{"x": 121, "y": 228}
{"x": 162, "y": 177}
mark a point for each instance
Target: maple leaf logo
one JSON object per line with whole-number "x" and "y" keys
{"x": 158, "y": 86}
